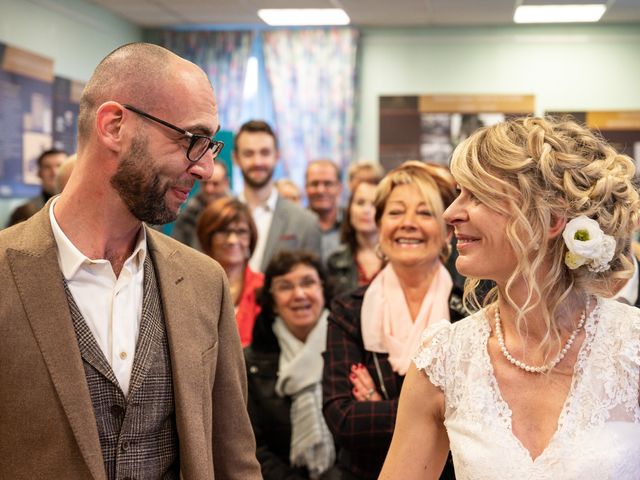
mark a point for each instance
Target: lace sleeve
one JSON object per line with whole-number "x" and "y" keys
{"x": 431, "y": 355}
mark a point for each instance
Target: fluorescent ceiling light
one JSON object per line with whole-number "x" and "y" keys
{"x": 304, "y": 16}
{"x": 558, "y": 13}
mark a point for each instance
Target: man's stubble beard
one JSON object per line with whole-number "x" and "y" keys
{"x": 254, "y": 184}
{"x": 138, "y": 182}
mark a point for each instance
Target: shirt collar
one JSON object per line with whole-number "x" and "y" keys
{"x": 269, "y": 205}
{"x": 71, "y": 259}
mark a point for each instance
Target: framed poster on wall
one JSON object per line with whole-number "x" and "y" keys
{"x": 429, "y": 127}
{"x": 621, "y": 129}
{"x": 66, "y": 105}
{"x": 26, "y": 87}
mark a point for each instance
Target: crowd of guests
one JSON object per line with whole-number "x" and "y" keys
{"x": 332, "y": 303}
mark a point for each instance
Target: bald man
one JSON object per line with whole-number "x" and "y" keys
{"x": 119, "y": 351}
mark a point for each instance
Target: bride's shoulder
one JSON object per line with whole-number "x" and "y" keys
{"x": 470, "y": 329}
{"x": 615, "y": 311}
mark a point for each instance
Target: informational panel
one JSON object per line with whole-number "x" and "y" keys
{"x": 66, "y": 105}
{"x": 26, "y": 87}
{"x": 621, "y": 129}
{"x": 429, "y": 127}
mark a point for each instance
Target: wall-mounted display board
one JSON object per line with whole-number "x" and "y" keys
{"x": 26, "y": 88}
{"x": 621, "y": 129}
{"x": 66, "y": 105}
{"x": 428, "y": 127}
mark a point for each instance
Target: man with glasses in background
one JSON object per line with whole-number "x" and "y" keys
{"x": 324, "y": 189}
{"x": 119, "y": 348}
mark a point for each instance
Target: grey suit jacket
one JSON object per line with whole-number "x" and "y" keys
{"x": 292, "y": 228}
{"x": 48, "y": 428}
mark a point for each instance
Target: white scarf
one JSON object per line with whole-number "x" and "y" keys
{"x": 387, "y": 326}
{"x": 299, "y": 376}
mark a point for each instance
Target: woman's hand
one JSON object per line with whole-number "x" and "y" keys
{"x": 364, "y": 388}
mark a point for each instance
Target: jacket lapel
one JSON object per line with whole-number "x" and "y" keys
{"x": 179, "y": 293}
{"x": 151, "y": 330}
{"x": 40, "y": 285}
{"x": 89, "y": 348}
{"x": 278, "y": 224}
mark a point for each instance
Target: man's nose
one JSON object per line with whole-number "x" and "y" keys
{"x": 203, "y": 168}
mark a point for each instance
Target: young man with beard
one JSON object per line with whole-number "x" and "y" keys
{"x": 281, "y": 224}
{"x": 119, "y": 351}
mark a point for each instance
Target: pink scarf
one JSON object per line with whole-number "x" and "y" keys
{"x": 386, "y": 322}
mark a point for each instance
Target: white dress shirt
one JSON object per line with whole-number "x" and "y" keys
{"x": 262, "y": 217}
{"x": 111, "y": 306}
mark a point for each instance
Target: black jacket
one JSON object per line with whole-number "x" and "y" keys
{"x": 270, "y": 414}
{"x": 342, "y": 272}
{"x": 363, "y": 430}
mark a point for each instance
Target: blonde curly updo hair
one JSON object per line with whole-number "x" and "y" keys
{"x": 538, "y": 170}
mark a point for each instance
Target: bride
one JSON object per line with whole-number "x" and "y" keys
{"x": 543, "y": 381}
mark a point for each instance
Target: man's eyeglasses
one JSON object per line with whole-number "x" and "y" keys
{"x": 199, "y": 143}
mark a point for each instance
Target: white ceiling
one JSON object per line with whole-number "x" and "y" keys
{"x": 380, "y": 13}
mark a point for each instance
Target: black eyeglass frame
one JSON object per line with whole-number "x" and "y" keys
{"x": 215, "y": 146}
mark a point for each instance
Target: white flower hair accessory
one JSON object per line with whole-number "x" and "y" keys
{"x": 588, "y": 245}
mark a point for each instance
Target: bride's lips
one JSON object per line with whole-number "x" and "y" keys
{"x": 464, "y": 241}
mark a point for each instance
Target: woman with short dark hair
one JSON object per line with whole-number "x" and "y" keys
{"x": 228, "y": 234}
{"x": 284, "y": 370}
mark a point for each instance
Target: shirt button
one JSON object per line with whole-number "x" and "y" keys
{"x": 123, "y": 355}
{"x": 116, "y": 410}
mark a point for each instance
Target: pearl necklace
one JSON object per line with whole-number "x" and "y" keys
{"x": 552, "y": 363}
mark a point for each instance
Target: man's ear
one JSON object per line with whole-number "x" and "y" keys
{"x": 558, "y": 223}
{"x": 109, "y": 123}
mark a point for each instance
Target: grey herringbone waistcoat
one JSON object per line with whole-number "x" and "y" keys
{"x": 137, "y": 435}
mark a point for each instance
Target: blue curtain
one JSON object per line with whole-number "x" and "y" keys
{"x": 223, "y": 56}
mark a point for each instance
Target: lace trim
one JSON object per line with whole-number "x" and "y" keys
{"x": 431, "y": 352}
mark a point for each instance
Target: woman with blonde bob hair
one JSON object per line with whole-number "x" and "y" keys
{"x": 543, "y": 381}
{"x": 375, "y": 330}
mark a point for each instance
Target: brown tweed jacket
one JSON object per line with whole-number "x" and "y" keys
{"x": 47, "y": 425}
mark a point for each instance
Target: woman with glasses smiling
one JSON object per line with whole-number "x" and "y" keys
{"x": 284, "y": 369}
{"x": 228, "y": 235}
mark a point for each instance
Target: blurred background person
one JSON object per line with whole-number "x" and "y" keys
{"x": 48, "y": 162}
{"x": 228, "y": 235}
{"x": 65, "y": 171}
{"x": 364, "y": 171}
{"x": 284, "y": 370}
{"x": 356, "y": 261}
{"x": 324, "y": 188}
{"x": 374, "y": 331}
{"x": 281, "y": 224}
{"x": 215, "y": 187}
{"x": 289, "y": 190}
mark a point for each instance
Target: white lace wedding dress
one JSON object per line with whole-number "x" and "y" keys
{"x": 598, "y": 434}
